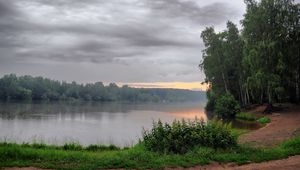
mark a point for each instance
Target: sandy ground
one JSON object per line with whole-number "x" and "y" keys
{"x": 291, "y": 163}
{"x": 284, "y": 125}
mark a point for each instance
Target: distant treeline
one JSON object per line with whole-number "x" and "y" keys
{"x": 39, "y": 88}
{"x": 260, "y": 64}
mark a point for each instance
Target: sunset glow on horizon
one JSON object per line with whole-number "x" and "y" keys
{"x": 197, "y": 86}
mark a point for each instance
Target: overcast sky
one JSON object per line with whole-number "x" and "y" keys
{"x": 125, "y": 41}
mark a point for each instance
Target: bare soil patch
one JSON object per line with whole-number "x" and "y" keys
{"x": 291, "y": 163}
{"x": 284, "y": 125}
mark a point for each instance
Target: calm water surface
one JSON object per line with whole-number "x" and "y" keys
{"x": 88, "y": 123}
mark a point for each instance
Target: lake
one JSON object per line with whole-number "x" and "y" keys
{"x": 88, "y": 123}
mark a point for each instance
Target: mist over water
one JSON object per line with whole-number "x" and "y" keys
{"x": 88, "y": 123}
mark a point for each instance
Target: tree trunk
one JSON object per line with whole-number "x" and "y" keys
{"x": 247, "y": 95}
{"x": 225, "y": 83}
{"x": 261, "y": 96}
{"x": 297, "y": 87}
{"x": 298, "y": 77}
{"x": 241, "y": 94}
{"x": 269, "y": 94}
{"x": 269, "y": 108}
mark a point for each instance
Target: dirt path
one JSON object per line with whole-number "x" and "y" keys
{"x": 291, "y": 163}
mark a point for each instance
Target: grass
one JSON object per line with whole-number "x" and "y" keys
{"x": 251, "y": 117}
{"x": 137, "y": 157}
{"x": 245, "y": 116}
{"x": 264, "y": 120}
{"x": 183, "y": 136}
{"x": 237, "y": 132}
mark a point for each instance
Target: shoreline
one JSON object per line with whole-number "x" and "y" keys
{"x": 284, "y": 125}
{"x": 259, "y": 139}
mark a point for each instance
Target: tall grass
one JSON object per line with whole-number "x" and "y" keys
{"x": 264, "y": 120}
{"x": 245, "y": 116}
{"x": 68, "y": 146}
{"x": 183, "y": 136}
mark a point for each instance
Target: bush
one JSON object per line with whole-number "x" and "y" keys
{"x": 245, "y": 116}
{"x": 211, "y": 100}
{"x": 72, "y": 146}
{"x": 227, "y": 106}
{"x": 102, "y": 148}
{"x": 264, "y": 120}
{"x": 182, "y": 136}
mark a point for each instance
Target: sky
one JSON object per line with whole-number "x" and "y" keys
{"x": 143, "y": 43}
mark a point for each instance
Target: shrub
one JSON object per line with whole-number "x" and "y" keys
{"x": 211, "y": 100}
{"x": 72, "y": 146}
{"x": 264, "y": 120}
{"x": 182, "y": 136}
{"x": 292, "y": 143}
{"x": 227, "y": 106}
{"x": 102, "y": 148}
{"x": 245, "y": 116}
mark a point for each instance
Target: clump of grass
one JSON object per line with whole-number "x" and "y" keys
{"x": 68, "y": 146}
{"x": 72, "y": 146}
{"x": 245, "y": 116}
{"x": 264, "y": 120}
{"x": 182, "y": 136}
{"x": 238, "y": 132}
{"x": 102, "y": 148}
{"x": 293, "y": 144}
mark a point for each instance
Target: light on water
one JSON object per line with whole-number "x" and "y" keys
{"x": 88, "y": 123}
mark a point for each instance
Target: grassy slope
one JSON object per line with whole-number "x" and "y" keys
{"x": 136, "y": 157}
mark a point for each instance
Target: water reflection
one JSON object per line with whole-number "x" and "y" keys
{"x": 88, "y": 123}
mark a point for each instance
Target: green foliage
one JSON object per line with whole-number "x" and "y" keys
{"x": 227, "y": 106}
{"x": 38, "y": 88}
{"x": 137, "y": 157}
{"x": 260, "y": 64}
{"x": 102, "y": 148}
{"x": 293, "y": 144}
{"x": 211, "y": 102}
{"x": 182, "y": 136}
{"x": 264, "y": 120}
{"x": 68, "y": 146}
{"x": 72, "y": 146}
{"x": 245, "y": 116}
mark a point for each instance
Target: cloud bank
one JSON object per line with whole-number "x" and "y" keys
{"x": 110, "y": 41}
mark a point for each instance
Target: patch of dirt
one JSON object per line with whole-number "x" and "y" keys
{"x": 284, "y": 125}
{"x": 291, "y": 163}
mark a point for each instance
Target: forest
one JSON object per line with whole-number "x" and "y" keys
{"x": 259, "y": 63}
{"x": 27, "y": 87}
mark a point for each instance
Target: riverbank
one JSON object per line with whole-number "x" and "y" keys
{"x": 14, "y": 155}
{"x": 284, "y": 125}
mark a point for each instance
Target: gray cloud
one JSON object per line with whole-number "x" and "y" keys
{"x": 7, "y": 9}
{"x": 148, "y": 40}
{"x": 213, "y": 13}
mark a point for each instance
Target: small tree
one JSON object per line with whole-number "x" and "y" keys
{"x": 227, "y": 106}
